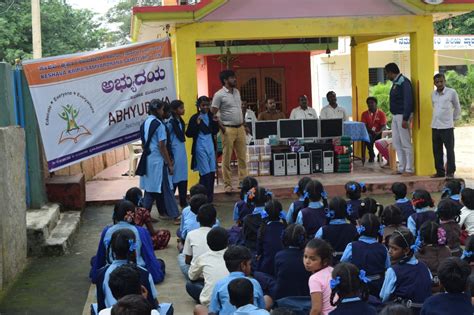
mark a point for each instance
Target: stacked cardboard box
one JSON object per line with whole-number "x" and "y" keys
{"x": 258, "y": 159}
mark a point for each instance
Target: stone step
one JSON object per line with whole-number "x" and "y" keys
{"x": 39, "y": 224}
{"x": 60, "y": 240}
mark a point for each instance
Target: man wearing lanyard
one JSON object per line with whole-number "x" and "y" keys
{"x": 375, "y": 121}
{"x": 446, "y": 109}
{"x": 228, "y": 103}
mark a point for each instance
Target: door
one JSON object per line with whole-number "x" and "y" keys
{"x": 258, "y": 84}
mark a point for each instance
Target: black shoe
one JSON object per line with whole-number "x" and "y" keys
{"x": 449, "y": 176}
{"x": 371, "y": 160}
{"x": 437, "y": 175}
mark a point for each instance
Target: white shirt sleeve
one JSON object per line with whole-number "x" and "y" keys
{"x": 457, "y": 106}
{"x": 195, "y": 270}
{"x": 323, "y": 114}
{"x": 293, "y": 114}
{"x": 187, "y": 249}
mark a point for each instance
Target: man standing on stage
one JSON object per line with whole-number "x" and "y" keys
{"x": 446, "y": 109}
{"x": 375, "y": 121}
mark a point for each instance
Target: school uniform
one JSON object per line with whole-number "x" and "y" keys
{"x": 189, "y": 223}
{"x": 268, "y": 244}
{"x": 448, "y": 303}
{"x": 203, "y": 149}
{"x": 406, "y": 207}
{"x": 250, "y": 309}
{"x": 291, "y": 277}
{"x": 457, "y": 199}
{"x": 176, "y": 128}
{"x": 416, "y": 220}
{"x": 241, "y": 210}
{"x": 389, "y": 230}
{"x": 294, "y": 209}
{"x": 339, "y": 233}
{"x": 407, "y": 281}
{"x": 368, "y": 254}
{"x": 105, "y": 297}
{"x": 156, "y": 182}
{"x": 252, "y": 223}
{"x": 453, "y": 231}
{"x": 312, "y": 218}
{"x": 432, "y": 256}
{"x": 354, "y": 306}
{"x": 354, "y": 206}
{"x": 145, "y": 254}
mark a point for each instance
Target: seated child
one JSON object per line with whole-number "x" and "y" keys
{"x": 297, "y": 205}
{"x": 269, "y": 240}
{"x": 350, "y": 285}
{"x": 313, "y": 216}
{"x": 468, "y": 253}
{"x": 188, "y": 217}
{"x": 238, "y": 262}
{"x": 467, "y": 219}
{"x": 242, "y": 207}
{"x": 433, "y": 248}
{"x": 209, "y": 267}
{"x": 317, "y": 260}
{"x": 339, "y": 232}
{"x": 131, "y": 304}
{"x": 123, "y": 218}
{"x": 241, "y": 296}
{"x": 401, "y": 200}
{"x": 122, "y": 247}
{"x": 142, "y": 217}
{"x": 367, "y": 253}
{"x": 453, "y": 274}
{"x": 370, "y": 205}
{"x": 392, "y": 218}
{"x": 395, "y": 309}
{"x": 448, "y": 213}
{"x": 258, "y": 196}
{"x": 452, "y": 190}
{"x": 354, "y": 192}
{"x": 422, "y": 202}
{"x": 196, "y": 242}
{"x": 409, "y": 279}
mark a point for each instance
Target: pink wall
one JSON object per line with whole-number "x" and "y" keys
{"x": 201, "y": 72}
{"x": 297, "y": 72}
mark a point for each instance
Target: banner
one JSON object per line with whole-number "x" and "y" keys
{"x": 92, "y": 102}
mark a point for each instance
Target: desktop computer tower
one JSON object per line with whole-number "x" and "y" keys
{"x": 292, "y": 163}
{"x": 328, "y": 162}
{"x": 279, "y": 165}
{"x": 316, "y": 161}
{"x": 304, "y": 163}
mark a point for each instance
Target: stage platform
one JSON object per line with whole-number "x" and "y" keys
{"x": 110, "y": 186}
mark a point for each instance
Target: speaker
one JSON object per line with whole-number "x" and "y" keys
{"x": 328, "y": 161}
{"x": 304, "y": 163}
{"x": 292, "y": 164}
{"x": 316, "y": 161}
{"x": 279, "y": 164}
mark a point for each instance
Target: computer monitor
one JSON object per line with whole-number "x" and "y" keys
{"x": 330, "y": 128}
{"x": 290, "y": 129}
{"x": 265, "y": 128}
{"x": 311, "y": 128}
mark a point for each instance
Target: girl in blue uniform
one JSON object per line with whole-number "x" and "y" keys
{"x": 370, "y": 205}
{"x": 409, "y": 280}
{"x": 449, "y": 215}
{"x": 399, "y": 190}
{"x": 367, "y": 253}
{"x": 354, "y": 192}
{"x": 422, "y": 202}
{"x": 313, "y": 216}
{"x": 339, "y": 232}
{"x": 350, "y": 285}
{"x": 176, "y": 128}
{"x": 298, "y": 204}
{"x": 202, "y": 128}
{"x": 156, "y": 178}
{"x": 242, "y": 207}
{"x": 252, "y": 222}
{"x": 452, "y": 190}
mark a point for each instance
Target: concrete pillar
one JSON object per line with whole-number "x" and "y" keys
{"x": 360, "y": 79}
{"x": 422, "y": 70}
{"x": 13, "y": 208}
{"x": 7, "y": 106}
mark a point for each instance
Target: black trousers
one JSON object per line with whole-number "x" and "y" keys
{"x": 182, "y": 191}
{"x": 208, "y": 182}
{"x": 443, "y": 137}
{"x": 370, "y": 146}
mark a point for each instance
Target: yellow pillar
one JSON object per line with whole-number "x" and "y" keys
{"x": 360, "y": 79}
{"x": 184, "y": 57}
{"x": 422, "y": 70}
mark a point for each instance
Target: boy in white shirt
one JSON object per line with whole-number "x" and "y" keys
{"x": 467, "y": 212}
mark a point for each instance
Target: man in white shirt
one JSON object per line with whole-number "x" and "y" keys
{"x": 303, "y": 111}
{"x": 332, "y": 111}
{"x": 446, "y": 109}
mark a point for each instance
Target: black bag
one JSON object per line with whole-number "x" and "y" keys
{"x": 141, "y": 167}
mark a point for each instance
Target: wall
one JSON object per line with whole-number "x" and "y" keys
{"x": 13, "y": 209}
{"x": 297, "y": 72}
{"x": 202, "y": 77}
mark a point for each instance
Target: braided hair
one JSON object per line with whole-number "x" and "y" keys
{"x": 121, "y": 246}
{"x": 354, "y": 190}
{"x": 124, "y": 210}
{"x": 448, "y": 209}
{"x": 134, "y": 195}
{"x": 295, "y": 236}
{"x": 452, "y": 187}
{"x": 248, "y": 183}
{"x": 404, "y": 240}
{"x": 422, "y": 199}
{"x": 274, "y": 209}
{"x": 315, "y": 192}
{"x": 370, "y": 205}
{"x": 371, "y": 224}
{"x": 350, "y": 285}
{"x": 339, "y": 206}
{"x": 469, "y": 248}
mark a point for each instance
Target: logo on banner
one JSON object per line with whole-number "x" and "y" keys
{"x": 73, "y": 131}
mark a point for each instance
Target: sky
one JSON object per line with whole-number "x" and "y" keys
{"x": 99, "y": 6}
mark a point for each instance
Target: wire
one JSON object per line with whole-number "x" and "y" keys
{"x": 4, "y": 12}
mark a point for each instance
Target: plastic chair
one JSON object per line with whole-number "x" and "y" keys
{"x": 134, "y": 153}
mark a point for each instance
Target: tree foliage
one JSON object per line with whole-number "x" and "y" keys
{"x": 458, "y": 25}
{"x": 464, "y": 85}
{"x": 64, "y": 29}
{"x": 381, "y": 91}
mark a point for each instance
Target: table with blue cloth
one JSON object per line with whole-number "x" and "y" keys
{"x": 358, "y": 132}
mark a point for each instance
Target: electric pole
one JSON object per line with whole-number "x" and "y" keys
{"x": 36, "y": 28}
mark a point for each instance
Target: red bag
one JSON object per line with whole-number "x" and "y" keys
{"x": 161, "y": 239}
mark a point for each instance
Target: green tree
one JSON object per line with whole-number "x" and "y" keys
{"x": 64, "y": 29}
{"x": 381, "y": 91}
{"x": 464, "y": 85}
{"x": 458, "y": 25}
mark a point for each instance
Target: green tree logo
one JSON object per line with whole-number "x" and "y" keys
{"x": 69, "y": 115}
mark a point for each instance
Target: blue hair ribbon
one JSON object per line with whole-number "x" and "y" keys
{"x": 362, "y": 185}
{"x": 447, "y": 190}
{"x": 268, "y": 193}
{"x": 107, "y": 243}
{"x": 381, "y": 228}
{"x": 416, "y": 247}
{"x": 133, "y": 245}
{"x": 467, "y": 253}
{"x": 349, "y": 209}
{"x": 333, "y": 283}
{"x": 296, "y": 189}
{"x": 363, "y": 277}
{"x": 263, "y": 214}
{"x": 360, "y": 229}
{"x": 324, "y": 194}
{"x": 330, "y": 213}
{"x": 282, "y": 215}
{"x": 353, "y": 187}
{"x": 306, "y": 194}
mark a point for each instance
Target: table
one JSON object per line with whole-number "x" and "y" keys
{"x": 358, "y": 132}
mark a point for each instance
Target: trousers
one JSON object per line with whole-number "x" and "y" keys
{"x": 440, "y": 138}
{"x": 401, "y": 140}
{"x": 234, "y": 139}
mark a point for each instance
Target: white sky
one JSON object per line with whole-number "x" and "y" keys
{"x": 99, "y": 6}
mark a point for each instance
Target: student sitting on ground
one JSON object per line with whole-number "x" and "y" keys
{"x": 188, "y": 217}
{"x": 452, "y": 190}
{"x": 354, "y": 192}
{"x": 370, "y": 205}
{"x": 453, "y": 274}
{"x": 243, "y": 207}
{"x": 401, "y": 201}
{"x": 124, "y": 215}
{"x": 448, "y": 213}
{"x": 241, "y": 296}
{"x": 350, "y": 285}
{"x": 423, "y": 204}
{"x": 298, "y": 204}
{"x": 196, "y": 242}
{"x": 132, "y": 304}
{"x": 208, "y": 268}
{"x": 466, "y": 221}
{"x": 468, "y": 253}
{"x": 253, "y": 221}
{"x": 339, "y": 232}
{"x": 392, "y": 218}
{"x": 313, "y": 216}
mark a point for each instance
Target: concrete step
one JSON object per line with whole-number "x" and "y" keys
{"x": 39, "y": 224}
{"x": 61, "y": 238}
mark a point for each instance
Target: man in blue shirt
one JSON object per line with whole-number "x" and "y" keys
{"x": 401, "y": 107}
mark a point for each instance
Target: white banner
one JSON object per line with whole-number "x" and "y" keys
{"x": 93, "y": 102}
